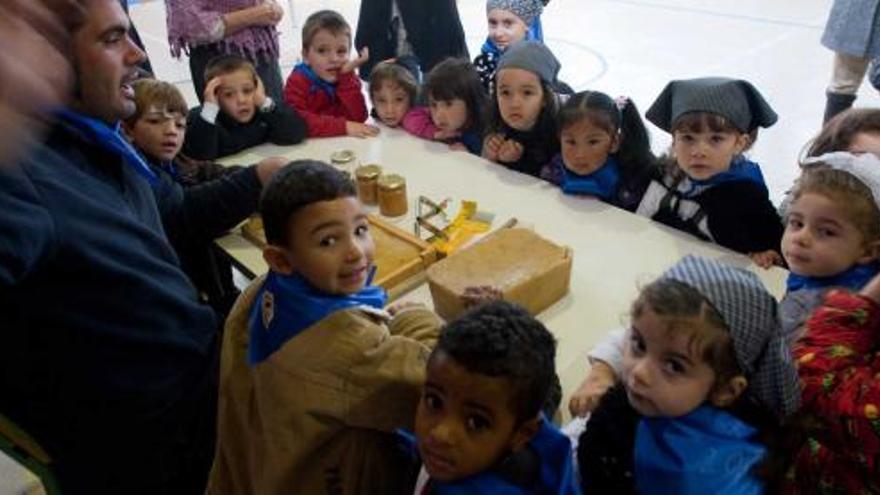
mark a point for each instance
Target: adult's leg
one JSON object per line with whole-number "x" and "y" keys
{"x": 199, "y": 56}
{"x": 270, "y": 72}
{"x": 846, "y": 78}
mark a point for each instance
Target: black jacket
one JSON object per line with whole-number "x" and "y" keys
{"x": 110, "y": 359}
{"x": 433, "y": 28}
{"x": 540, "y": 145}
{"x": 736, "y": 214}
{"x": 199, "y": 207}
{"x": 207, "y": 141}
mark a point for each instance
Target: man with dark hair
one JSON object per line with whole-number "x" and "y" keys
{"x": 110, "y": 359}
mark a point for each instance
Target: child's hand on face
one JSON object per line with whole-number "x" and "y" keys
{"x": 511, "y": 151}
{"x": 480, "y": 294}
{"x": 356, "y": 62}
{"x": 267, "y": 167}
{"x": 211, "y": 90}
{"x": 766, "y": 259}
{"x": 585, "y": 399}
{"x": 359, "y": 130}
{"x": 492, "y": 146}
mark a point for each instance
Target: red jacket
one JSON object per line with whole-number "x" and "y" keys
{"x": 839, "y": 366}
{"x": 325, "y": 115}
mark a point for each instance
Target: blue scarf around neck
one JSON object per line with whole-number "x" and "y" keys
{"x": 555, "y": 474}
{"x": 110, "y": 139}
{"x": 741, "y": 169}
{"x": 602, "y": 183}
{"x": 318, "y": 84}
{"x": 854, "y": 279}
{"x": 705, "y": 448}
{"x": 288, "y": 304}
{"x": 534, "y": 33}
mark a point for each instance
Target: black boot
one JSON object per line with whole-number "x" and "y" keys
{"x": 836, "y": 103}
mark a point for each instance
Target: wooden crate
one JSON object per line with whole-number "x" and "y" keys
{"x": 401, "y": 258}
{"x": 527, "y": 268}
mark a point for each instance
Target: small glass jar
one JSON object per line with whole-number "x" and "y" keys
{"x": 343, "y": 160}
{"x": 342, "y": 157}
{"x": 368, "y": 183}
{"x": 392, "y": 195}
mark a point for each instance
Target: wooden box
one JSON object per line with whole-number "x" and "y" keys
{"x": 401, "y": 258}
{"x": 528, "y": 269}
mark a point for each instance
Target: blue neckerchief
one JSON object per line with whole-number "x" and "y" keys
{"x": 706, "y": 448}
{"x": 100, "y": 133}
{"x": 473, "y": 141}
{"x": 318, "y": 84}
{"x": 490, "y": 48}
{"x": 740, "y": 169}
{"x": 555, "y": 475}
{"x": 602, "y": 183}
{"x": 287, "y": 304}
{"x": 535, "y": 33}
{"x": 854, "y": 279}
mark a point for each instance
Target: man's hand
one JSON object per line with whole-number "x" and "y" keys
{"x": 267, "y": 168}
{"x": 35, "y": 72}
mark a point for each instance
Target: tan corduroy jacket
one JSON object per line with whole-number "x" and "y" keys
{"x": 315, "y": 417}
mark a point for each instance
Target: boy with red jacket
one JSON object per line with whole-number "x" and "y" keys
{"x": 323, "y": 88}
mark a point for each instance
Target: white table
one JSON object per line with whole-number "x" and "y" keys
{"x": 16, "y": 479}
{"x": 615, "y": 252}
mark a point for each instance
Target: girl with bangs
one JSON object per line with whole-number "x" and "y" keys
{"x": 455, "y": 107}
{"x": 707, "y": 187}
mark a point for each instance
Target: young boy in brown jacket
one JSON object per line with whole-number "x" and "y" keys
{"x": 315, "y": 374}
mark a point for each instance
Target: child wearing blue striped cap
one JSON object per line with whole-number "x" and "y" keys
{"x": 705, "y": 376}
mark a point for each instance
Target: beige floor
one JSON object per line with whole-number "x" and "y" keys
{"x": 633, "y": 47}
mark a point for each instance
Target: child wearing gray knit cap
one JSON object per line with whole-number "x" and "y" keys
{"x": 510, "y": 21}
{"x": 522, "y": 126}
{"x": 708, "y": 188}
{"x": 705, "y": 376}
